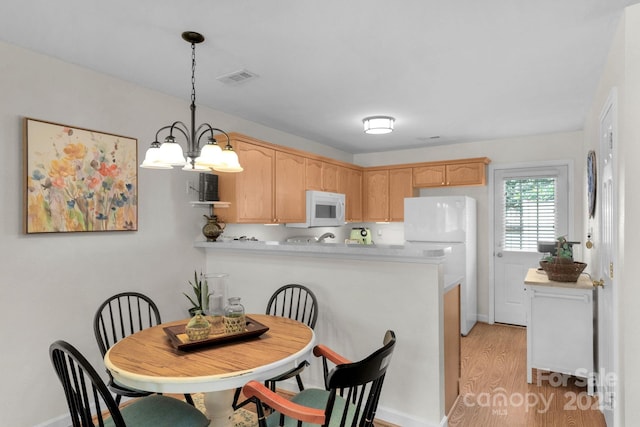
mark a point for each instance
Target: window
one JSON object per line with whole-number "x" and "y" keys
{"x": 529, "y": 212}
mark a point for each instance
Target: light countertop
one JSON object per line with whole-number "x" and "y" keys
{"x": 377, "y": 252}
{"x": 539, "y": 277}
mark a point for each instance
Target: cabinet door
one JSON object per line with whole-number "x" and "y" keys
{"x": 321, "y": 176}
{"x": 466, "y": 174}
{"x": 376, "y": 195}
{"x": 253, "y": 198}
{"x": 313, "y": 173}
{"x": 349, "y": 183}
{"x": 429, "y": 176}
{"x": 329, "y": 177}
{"x": 290, "y": 188}
{"x": 400, "y": 186}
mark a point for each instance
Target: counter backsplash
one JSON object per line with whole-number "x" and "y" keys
{"x": 391, "y": 234}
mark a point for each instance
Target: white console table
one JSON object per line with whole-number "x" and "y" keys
{"x": 560, "y": 326}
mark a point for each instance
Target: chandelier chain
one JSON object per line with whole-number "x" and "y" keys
{"x": 193, "y": 73}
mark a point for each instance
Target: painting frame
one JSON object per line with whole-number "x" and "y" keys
{"x": 78, "y": 180}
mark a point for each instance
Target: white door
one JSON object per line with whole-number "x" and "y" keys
{"x": 605, "y": 244}
{"x": 530, "y": 204}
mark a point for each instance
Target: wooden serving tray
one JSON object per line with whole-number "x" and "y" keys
{"x": 180, "y": 340}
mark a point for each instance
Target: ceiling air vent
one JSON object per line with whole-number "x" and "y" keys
{"x": 237, "y": 77}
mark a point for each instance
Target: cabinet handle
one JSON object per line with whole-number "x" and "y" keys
{"x": 584, "y": 298}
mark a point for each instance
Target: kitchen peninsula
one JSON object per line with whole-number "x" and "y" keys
{"x": 362, "y": 291}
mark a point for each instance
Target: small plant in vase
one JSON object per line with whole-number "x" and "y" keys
{"x": 564, "y": 252}
{"x": 200, "y": 298}
{"x": 562, "y": 267}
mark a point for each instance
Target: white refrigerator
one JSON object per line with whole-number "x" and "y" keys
{"x": 449, "y": 221}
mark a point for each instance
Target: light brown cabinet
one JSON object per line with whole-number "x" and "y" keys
{"x": 375, "y": 189}
{"x": 384, "y": 191}
{"x": 269, "y": 190}
{"x": 400, "y": 186}
{"x": 290, "y": 198}
{"x": 321, "y": 176}
{"x": 251, "y": 191}
{"x": 429, "y": 176}
{"x": 451, "y": 308}
{"x": 349, "y": 183}
{"x": 451, "y": 173}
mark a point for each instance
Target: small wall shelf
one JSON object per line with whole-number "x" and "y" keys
{"x": 212, "y": 204}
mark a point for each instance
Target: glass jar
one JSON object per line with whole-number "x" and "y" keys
{"x": 216, "y": 314}
{"x": 198, "y": 327}
{"x": 234, "y": 319}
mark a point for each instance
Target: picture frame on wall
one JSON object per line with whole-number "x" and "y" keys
{"x": 78, "y": 180}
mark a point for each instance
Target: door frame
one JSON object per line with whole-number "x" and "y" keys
{"x": 571, "y": 226}
{"x": 611, "y": 414}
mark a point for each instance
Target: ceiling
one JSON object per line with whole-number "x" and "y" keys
{"x": 448, "y": 71}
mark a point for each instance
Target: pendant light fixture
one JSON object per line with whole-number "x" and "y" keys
{"x": 377, "y": 125}
{"x": 211, "y": 156}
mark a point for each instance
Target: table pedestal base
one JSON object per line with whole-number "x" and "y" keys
{"x": 219, "y": 405}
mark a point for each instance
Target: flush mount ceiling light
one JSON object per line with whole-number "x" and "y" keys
{"x": 377, "y": 125}
{"x": 211, "y": 156}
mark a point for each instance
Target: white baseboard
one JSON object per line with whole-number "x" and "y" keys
{"x": 404, "y": 420}
{"x": 61, "y": 421}
{"x": 483, "y": 318}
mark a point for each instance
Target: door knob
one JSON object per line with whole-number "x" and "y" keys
{"x": 499, "y": 254}
{"x": 597, "y": 283}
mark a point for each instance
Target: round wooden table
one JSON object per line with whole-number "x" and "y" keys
{"x": 148, "y": 361}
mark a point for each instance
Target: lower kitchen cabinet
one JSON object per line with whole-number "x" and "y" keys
{"x": 451, "y": 327}
{"x": 560, "y": 327}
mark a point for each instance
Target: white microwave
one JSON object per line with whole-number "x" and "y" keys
{"x": 324, "y": 209}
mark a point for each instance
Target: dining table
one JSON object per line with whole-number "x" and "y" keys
{"x": 150, "y": 360}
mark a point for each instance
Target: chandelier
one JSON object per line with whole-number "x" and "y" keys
{"x": 211, "y": 156}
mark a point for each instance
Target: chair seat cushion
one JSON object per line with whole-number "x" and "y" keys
{"x": 157, "y": 411}
{"x": 315, "y": 398}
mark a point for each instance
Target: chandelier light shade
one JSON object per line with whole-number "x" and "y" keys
{"x": 377, "y": 125}
{"x": 210, "y": 156}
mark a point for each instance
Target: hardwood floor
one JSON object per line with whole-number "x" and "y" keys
{"x": 494, "y": 390}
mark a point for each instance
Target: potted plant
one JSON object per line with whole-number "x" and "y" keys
{"x": 561, "y": 267}
{"x": 200, "y": 298}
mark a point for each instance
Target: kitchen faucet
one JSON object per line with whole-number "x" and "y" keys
{"x": 324, "y": 236}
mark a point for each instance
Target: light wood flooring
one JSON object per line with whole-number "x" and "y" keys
{"x": 494, "y": 390}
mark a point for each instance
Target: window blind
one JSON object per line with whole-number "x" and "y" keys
{"x": 530, "y": 212}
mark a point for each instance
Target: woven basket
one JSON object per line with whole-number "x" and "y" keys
{"x": 563, "y": 272}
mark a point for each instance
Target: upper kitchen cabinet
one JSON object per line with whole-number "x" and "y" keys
{"x": 269, "y": 190}
{"x": 250, "y": 192}
{"x": 400, "y": 186}
{"x": 290, "y": 195}
{"x": 451, "y": 173}
{"x": 349, "y": 183}
{"x": 384, "y": 192}
{"x": 321, "y": 176}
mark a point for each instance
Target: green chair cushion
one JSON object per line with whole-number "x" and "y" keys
{"x": 314, "y": 398}
{"x": 157, "y": 411}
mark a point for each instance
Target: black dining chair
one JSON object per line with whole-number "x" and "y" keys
{"x": 90, "y": 402}
{"x": 351, "y": 398}
{"x": 296, "y": 302}
{"x": 119, "y": 316}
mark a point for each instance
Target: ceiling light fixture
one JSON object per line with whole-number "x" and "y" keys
{"x": 377, "y": 125}
{"x": 211, "y": 156}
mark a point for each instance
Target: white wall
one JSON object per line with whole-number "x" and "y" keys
{"x": 52, "y": 283}
{"x": 358, "y": 301}
{"x": 538, "y": 148}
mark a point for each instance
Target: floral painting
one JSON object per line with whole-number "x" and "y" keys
{"x": 79, "y": 180}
